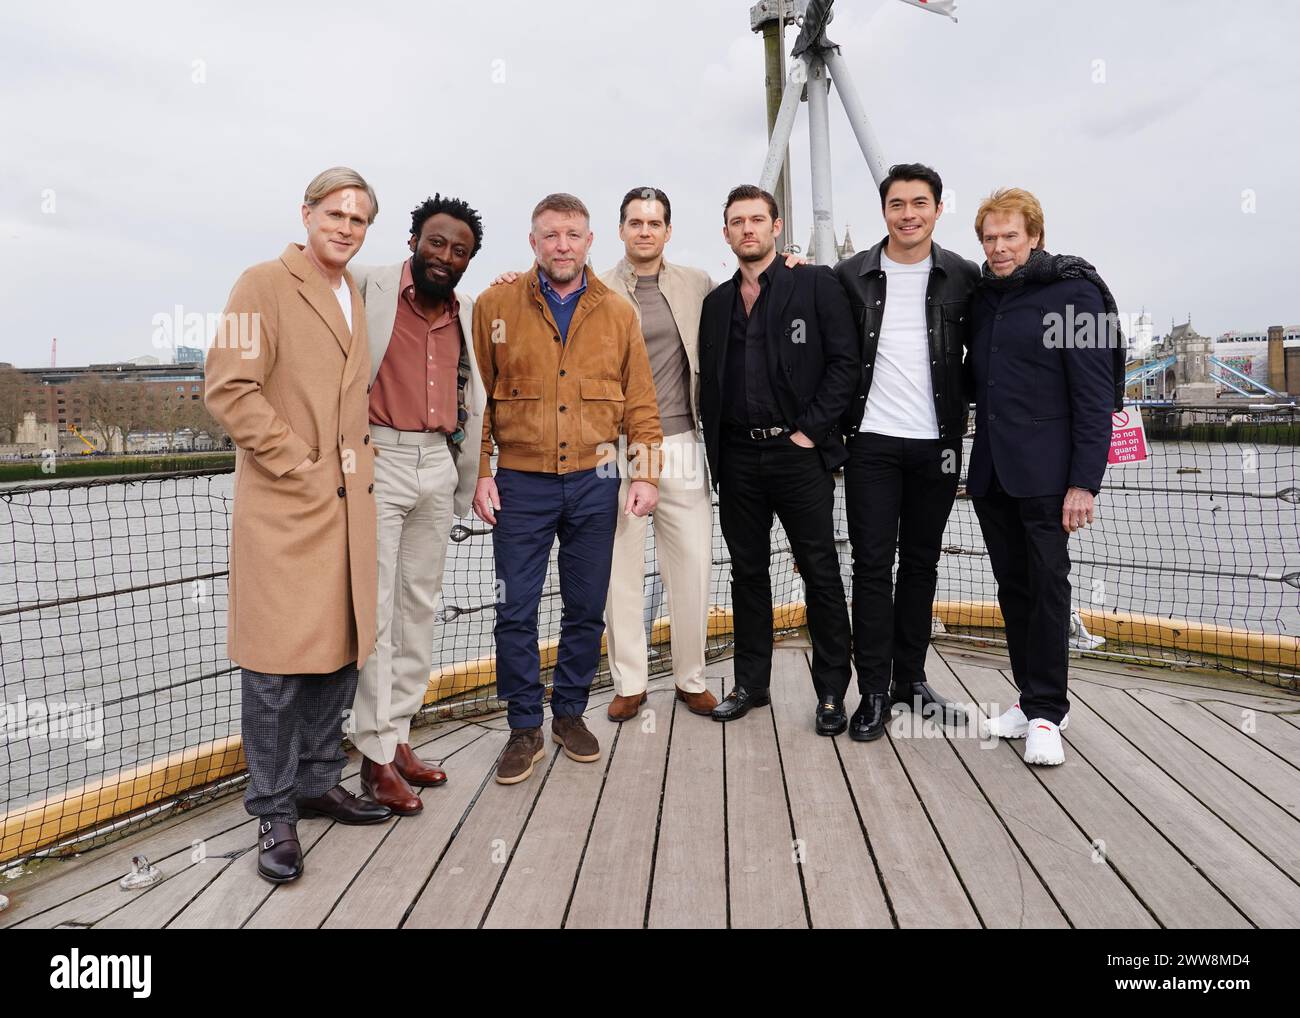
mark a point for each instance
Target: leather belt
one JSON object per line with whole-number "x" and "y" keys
{"x": 384, "y": 435}
{"x": 759, "y": 434}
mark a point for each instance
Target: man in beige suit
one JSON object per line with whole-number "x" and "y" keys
{"x": 426, "y": 425}
{"x": 667, "y": 299}
{"x": 286, "y": 379}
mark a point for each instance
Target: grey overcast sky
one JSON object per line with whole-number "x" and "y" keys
{"x": 151, "y": 151}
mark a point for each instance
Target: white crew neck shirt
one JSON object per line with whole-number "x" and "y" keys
{"x": 901, "y": 400}
{"x": 344, "y": 296}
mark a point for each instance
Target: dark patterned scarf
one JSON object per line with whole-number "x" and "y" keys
{"x": 1042, "y": 268}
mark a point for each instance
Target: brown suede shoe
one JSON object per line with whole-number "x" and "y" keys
{"x": 416, "y": 771}
{"x": 624, "y": 708}
{"x": 579, "y": 744}
{"x": 385, "y": 785}
{"x": 523, "y": 750}
{"x": 697, "y": 703}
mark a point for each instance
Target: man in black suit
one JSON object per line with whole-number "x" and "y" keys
{"x": 1043, "y": 372}
{"x": 778, "y": 366}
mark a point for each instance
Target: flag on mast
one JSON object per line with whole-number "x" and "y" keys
{"x": 944, "y": 7}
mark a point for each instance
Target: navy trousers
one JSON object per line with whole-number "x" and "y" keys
{"x": 581, "y": 509}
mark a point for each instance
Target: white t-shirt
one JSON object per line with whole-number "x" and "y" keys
{"x": 901, "y": 400}
{"x": 344, "y": 296}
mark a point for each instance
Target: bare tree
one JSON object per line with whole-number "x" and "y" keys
{"x": 12, "y": 387}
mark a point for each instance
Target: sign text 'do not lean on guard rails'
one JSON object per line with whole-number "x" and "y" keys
{"x": 1128, "y": 439}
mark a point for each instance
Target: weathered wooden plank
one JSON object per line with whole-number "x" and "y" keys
{"x": 764, "y": 881}
{"x": 997, "y": 876}
{"x": 840, "y": 880}
{"x": 1091, "y": 895}
{"x": 155, "y": 909}
{"x": 690, "y": 870}
{"x": 60, "y": 881}
{"x": 1235, "y": 866}
{"x": 1269, "y": 730}
{"x": 1175, "y": 890}
{"x": 458, "y": 893}
{"x": 346, "y": 851}
{"x": 615, "y": 878}
{"x": 1124, "y": 675}
{"x": 1250, "y": 762}
{"x": 1247, "y": 695}
{"x": 539, "y": 878}
{"x": 922, "y": 885}
{"x": 1265, "y": 825}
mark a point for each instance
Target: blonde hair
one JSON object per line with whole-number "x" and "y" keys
{"x": 1013, "y": 199}
{"x": 329, "y": 181}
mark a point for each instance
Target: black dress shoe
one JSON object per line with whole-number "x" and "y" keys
{"x": 341, "y": 805}
{"x": 870, "y": 718}
{"x": 831, "y": 719}
{"x": 738, "y": 702}
{"x": 932, "y": 704}
{"x": 279, "y": 856}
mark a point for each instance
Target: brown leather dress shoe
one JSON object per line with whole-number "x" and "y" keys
{"x": 624, "y": 708}
{"x": 523, "y": 750}
{"x": 416, "y": 771}
{"x": 385, "y": 785}
{"x": 697, "y": 703}
{"x": 579, "y": 744}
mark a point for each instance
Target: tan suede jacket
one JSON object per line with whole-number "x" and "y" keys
{"x": 557, "y": 407}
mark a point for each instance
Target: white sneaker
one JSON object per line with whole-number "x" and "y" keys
{"x": 1011, "y": 724}
{"x": 1043, "y": 744}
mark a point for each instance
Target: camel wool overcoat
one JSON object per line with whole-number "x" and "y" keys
{"x": 288, "y": 381}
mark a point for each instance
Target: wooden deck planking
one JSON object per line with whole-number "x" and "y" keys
{"x": 1262, "y": 823}
{"x": 1253, "y": 883}
{"x": 614, "y": 881}
{"x": 839, "y": 875}
{"x": 540, "y": 875}
{"x": 922, "y": 887}
{"x": 764, "y": 883}
{"x": 998, "y": 878}
{"x": 690, "y": 877}
{"x": 697, "y": 823}
{"x": 1249, "y": 761}
{"x": 1091, "y": 895}
{"x": 1268, "y": 730}
{"x": 1176, "y": 892}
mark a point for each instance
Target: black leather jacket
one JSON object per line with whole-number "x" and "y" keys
{"x": 952, "y": 282}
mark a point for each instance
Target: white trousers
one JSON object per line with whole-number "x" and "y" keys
{"x": 683, "y": 528}
{"x": 414, "y": 488}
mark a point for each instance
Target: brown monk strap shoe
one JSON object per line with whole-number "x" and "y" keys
{"x": 416, "y": 771}
{"x": 624, "y": 708}
{"x": 697, "y": 703}
{"x": 579, "y": 744}
{"x": 523, "y": 750}
{"x": 385, "y": 785}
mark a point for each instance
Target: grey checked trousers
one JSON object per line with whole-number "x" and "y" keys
{"x": 293, "y": 738}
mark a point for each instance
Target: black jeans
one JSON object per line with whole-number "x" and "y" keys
{"x": 898, "y": 493}
{"x": 1030, "y": 554}
{"x": 757, "y": 480}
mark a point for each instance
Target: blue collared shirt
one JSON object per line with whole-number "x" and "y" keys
{"x": 562, "y": 308}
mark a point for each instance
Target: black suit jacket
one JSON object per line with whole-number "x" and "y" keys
{"x": 812, "y": 356}
{"x": 1043, "y": 389}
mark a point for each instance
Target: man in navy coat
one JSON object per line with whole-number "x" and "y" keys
{"x": 1041, "y": 370}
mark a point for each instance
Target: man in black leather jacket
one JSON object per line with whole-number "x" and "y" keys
{"x": 903, "y": 431}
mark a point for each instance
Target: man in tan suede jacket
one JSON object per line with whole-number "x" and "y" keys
{"x": 565, "y": 369}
